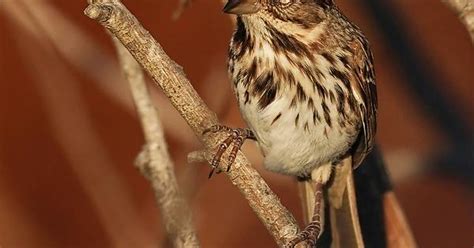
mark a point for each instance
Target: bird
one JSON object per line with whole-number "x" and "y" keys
{"x": 303, "y": 75}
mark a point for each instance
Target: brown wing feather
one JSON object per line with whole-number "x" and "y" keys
{"x": 365, "y": 93}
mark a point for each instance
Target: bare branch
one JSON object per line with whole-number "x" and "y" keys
{"x": 171, "y": 78}
{"x": 197, "y": 157}
{"x": 157, "y": 165}
{"x": 154, "y": 161}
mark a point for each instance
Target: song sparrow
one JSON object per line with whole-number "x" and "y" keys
{"x": 304, "y": 78}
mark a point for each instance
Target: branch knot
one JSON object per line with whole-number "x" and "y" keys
{"x": 100, "y": 12}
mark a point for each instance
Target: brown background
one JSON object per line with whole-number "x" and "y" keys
{"x": 69, "y": 133}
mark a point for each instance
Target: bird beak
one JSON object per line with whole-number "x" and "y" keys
{"x": 241, "y": 7}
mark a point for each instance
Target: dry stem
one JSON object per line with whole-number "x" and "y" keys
{"x": 157, "y": 166}
{"x": 154, "y": 161}
{"x": 171, "y": 78}
{"x": 465, "y": 11}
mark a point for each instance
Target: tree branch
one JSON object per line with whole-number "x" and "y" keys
{"x": 171, "y": 78}
{"x": 465, "y": 11}
{"x": 154, "y": 161}
{"x": 157, "y": 165}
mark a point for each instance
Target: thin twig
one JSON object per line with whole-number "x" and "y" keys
{"x": 171, "y": 78}
{"x": 158, "y": 167}
{"x": 197, "y": 157}
{"x": 465, "y": 11}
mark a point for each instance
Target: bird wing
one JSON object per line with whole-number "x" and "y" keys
{"x": 345, "y": 226}
{"x": 363, "y": 87}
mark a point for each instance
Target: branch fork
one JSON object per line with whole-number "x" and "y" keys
{"x": 171, "y": 79}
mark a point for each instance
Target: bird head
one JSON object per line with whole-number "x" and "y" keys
{"x": 280, "y": 10}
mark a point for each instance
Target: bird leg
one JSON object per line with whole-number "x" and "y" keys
{"x": 236, "y": 138}
{"x": 313, "y": 230}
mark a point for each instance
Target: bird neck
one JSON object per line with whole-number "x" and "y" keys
{"x": 259, "y": 29}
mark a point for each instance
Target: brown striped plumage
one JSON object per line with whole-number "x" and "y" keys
{"x": 304, "y": 78}
{"x": 340, "y": 43}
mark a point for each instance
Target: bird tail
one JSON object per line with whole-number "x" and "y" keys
{"x": 361, "y": 211}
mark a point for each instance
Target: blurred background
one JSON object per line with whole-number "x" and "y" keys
{"x": 69, "y": 132}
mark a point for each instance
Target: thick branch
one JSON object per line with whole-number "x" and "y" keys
{"x": 465, "y": 11}
{"x": 157, "y": 166}
{"x": 170, "y": 77}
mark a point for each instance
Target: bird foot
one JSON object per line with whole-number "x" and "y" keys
{"x": 310, "y": 235}
{"x": 236, "y": 138}
{"x": 313, "y": 230}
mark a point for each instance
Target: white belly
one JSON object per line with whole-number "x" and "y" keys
{"x": 289, "y": 147}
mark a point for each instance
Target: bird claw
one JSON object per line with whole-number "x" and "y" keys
{"x": 236, "y": 139}
{"x": 308, "y": 236}
{"x": 313, "y": 230}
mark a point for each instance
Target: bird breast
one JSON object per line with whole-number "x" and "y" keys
{"x": 294, "y": 109}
